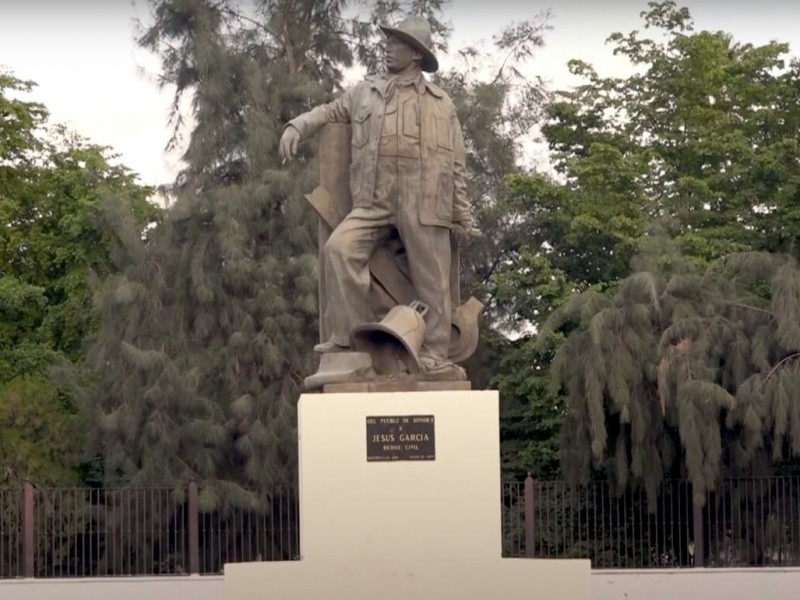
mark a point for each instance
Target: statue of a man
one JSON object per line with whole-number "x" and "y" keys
{"x": 407, "y": 172}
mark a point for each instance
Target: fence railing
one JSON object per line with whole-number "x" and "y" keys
{"x": 11, "y": 520}
{"x": 745, "y": 523}
{"x": 81, "y": 532}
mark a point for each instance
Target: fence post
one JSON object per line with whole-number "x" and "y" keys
{"x": 194, "y": 531}
{"x": 529, "y": 516}
{"x": 699, "y": 534}
{"x": 27, "y": 529}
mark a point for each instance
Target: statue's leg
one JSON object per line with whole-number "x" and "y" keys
{"x": 346, "y": 257}
{"x": 428, "y": 252}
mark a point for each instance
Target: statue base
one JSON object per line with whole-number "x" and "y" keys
{"x": 400, "y": 499}
{"x": 339, "y": 367}
{"x": 396, "y": 386}
{"x": 352, "y": 372}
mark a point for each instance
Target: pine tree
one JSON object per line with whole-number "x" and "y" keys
{"x": 207, "y": 336}
{"x": 700, "y": 365}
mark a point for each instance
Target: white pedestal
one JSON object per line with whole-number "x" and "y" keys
{"x": 422, "y": 529}
{"x": 446, "y": 507}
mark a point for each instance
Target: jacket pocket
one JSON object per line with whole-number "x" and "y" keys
{"x": 444, "y": 139}
{"x": 411, "y": 118}
{"x": 444, "y": 197}
{"x": 361, "y": 127}
{"x": 390, "y": 120}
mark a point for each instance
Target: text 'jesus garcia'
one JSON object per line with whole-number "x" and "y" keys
{"x": 401, "y": 438}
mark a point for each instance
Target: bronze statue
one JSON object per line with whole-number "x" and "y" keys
{"x": 407, "y": 194}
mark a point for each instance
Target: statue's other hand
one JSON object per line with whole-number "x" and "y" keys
{"x": 465, "y": 231}
{"x": 289, "y": 142}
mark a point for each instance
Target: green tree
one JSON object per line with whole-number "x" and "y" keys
{"x": 700, "y": 141}
{"x": 498, "y": 108}
{"x": 53, "y": 247}
{"x": 702, "y": 136}
{"x": 689, "y": 375}
{"x": 697, "y": 146}
{"x": 531, "y": 416}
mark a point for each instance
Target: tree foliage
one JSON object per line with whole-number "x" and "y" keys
{"x": 700, "y": 141}
{"x": 206, "y": 335}
{"x": 498, "y": 107}
{"x": 531, "y": 416}
{"x": 704, "y": 131}
{"x": 690, "y": 375}
{"x": 53, "y": 247}
{"x": 689, "y": 159}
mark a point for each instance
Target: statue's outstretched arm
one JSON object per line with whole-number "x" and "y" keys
{"x": 337, "y": 111}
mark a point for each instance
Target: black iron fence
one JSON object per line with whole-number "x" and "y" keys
{"x": 11, "y": 520}
{"x": 747, "y": 522}
{"x": 85, "y": 532}
{"x": 549, "y": 519}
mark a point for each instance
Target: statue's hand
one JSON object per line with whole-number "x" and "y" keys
{"x": 465, "y": 231}
{"x": 289, "y": 142}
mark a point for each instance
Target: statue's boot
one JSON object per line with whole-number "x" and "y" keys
{"x": 440, "y": 370}
{"x": 329, "y": 347}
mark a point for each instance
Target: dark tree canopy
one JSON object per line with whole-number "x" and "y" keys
{"x": 692, "y": 375}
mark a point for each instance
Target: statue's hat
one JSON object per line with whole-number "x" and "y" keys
{"x": 416, "y": 32}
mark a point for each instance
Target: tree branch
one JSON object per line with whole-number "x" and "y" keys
{"x": 287, "y": 43}
{"x": 259, "y": 24}
{"x": 784, "y": 360}
{"x": 748, "y": 307}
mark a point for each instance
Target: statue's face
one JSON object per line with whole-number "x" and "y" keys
{"x": 399, "y": 55}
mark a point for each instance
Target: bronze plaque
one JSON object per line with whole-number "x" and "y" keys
{"x": 400, "y": 438}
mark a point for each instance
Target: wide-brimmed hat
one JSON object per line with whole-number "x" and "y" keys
{"x": 416, "y": 32}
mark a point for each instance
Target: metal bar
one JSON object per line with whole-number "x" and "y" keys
{"x": 529, "y": 514}
{"x": 125, "y": 539}
{"x": 652, "y": 520}
{"x": 586, "y": 524}
{"x": 776, "y": 500}
{"x": 641, "y": 508}
{"x": 794, "y": 540}
{"x": 603, "y": 534}
{"x": 27, "y": 529}
{"x": 552, "y": 507}
{"x": 764, "y": 511}
{"x": 194, "y": 529}
{"x": 794, "y": 508}
{"x": 624, "y": 528}
{"x": 562, "y": 493}
{"x": 699, "y": 542}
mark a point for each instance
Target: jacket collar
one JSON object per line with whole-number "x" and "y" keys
{"x": 378, "y": 83}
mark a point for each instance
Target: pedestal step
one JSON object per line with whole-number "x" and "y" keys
{"x": 408, "y": 578}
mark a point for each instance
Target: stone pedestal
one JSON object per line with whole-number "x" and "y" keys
{"x": 446, "y": 507}
{"x": 400, "y": 498}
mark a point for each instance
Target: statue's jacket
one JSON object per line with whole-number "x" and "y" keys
{"x": 443, "y": 193}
